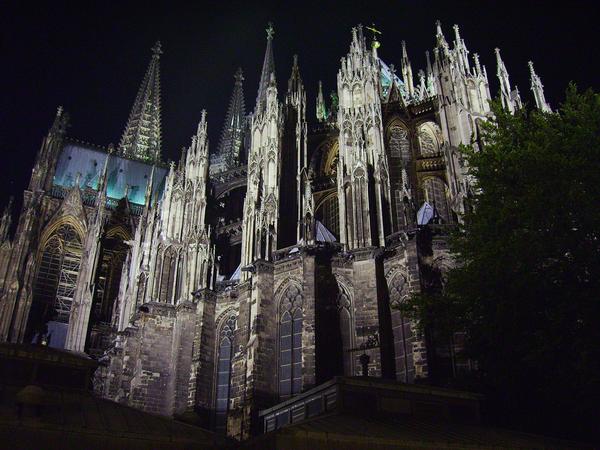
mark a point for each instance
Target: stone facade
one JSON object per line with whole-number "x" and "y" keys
{"x": 210, "y": 292}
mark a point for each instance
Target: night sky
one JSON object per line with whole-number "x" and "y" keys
{"x": 91, "y": 58}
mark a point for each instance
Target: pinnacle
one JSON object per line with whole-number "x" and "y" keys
{"x": 157, "y": 49}
{"x": 270, "y": 31}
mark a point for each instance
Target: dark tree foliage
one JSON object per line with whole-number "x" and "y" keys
{"x": 527, "y": 286}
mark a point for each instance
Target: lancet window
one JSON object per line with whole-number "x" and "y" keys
{"x": 224, "y": 355}
{"x": 346, "y": 330}
{"x": 402, "y": 330}
{"x": 290, "y": 342}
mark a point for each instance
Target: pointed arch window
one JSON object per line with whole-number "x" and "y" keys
{"x": 346, "y": 330}
{"x": 167, "y": 279}
{"x": 56, "y": 279}
{"x": 402, "y": 330}
{"x": 224, "y": 355}
{"x": 141, "y": 293}
{"x": 290, "y": 342}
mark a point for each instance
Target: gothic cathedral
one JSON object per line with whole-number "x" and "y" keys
{"x": 237, "y": 278}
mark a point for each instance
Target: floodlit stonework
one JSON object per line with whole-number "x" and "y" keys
{"x": 232, "y": 280}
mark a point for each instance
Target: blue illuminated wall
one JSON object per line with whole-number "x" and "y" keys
{"x": 76, "y": 159}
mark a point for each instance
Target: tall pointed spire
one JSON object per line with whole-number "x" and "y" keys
{"x": 538, "y": 90}
{"x": 321, "y": 108}
{"x": 228, "y": 150}
{"x": 295, "y": 80}
{"x": 142, "y": 136}
{"x": 267, "y": 69}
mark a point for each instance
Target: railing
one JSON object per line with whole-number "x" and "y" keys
{"x": 89, "y": 196}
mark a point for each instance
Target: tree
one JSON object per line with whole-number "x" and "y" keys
{"x": 526, "y": 289}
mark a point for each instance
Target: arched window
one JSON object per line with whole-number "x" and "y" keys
{"x": 290, "y": 343}
{"x": 141, "y": 293}
{"x": 399, "y": 160}
{"x": 224, "y": 354}
{"x": 346, "y": 330}
{"x": 402, "y": 330}
{"x": 399, "y": 145}
{"x": 328, "y": 213}
{"x": 56, "y": 279}
{"x": 429, "y": 139}
{"x": 167, "y": 279}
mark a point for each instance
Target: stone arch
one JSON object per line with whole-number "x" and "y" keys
{"x": 70, "y": 220}
{"x": 58, "y": 264}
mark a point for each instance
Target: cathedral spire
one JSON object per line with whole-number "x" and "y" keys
{"x": 267, "y": 69}
{"x": 321, "y": 108}
{"x": 142, "y": 136}
{"x": 538, "y": 90}
{"x": 228, "y": 150}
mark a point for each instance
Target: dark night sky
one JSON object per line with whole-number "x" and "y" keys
{"x": 91, "y": 59}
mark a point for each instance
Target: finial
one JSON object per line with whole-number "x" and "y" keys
{"x": 438, "y": 26}
{"x": 157, "y": 49}
{"x": 376, "y": 44}
{"x": 59, "y": 111}
{"x": 111, "y": 148}
{"x": 393, "y": 69}
{"x": 295, "y": 61}
{"x": 456, "y": 31}
{"x": 203, "y": 115}
{"x": 239, "y": 75}
{"x": 531, "y": 70}
{"x": 270, "y": 31}
{"x": 477, "y": 64}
